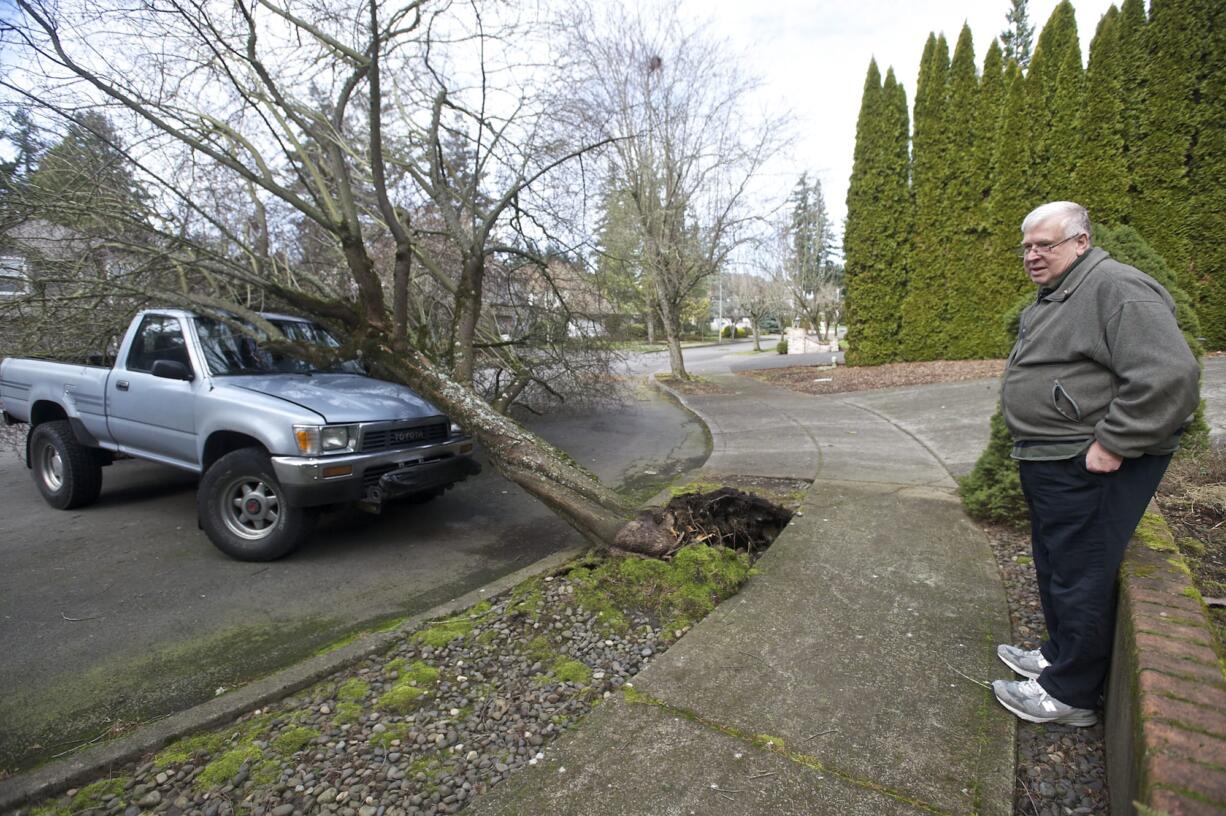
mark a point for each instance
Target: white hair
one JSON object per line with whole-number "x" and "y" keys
{"x": 1073, "y": 218}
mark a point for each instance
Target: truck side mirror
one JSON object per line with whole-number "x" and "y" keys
{"x": 170, "y": 370}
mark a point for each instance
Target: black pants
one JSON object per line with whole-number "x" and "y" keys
{"x": 1080, "y": 524}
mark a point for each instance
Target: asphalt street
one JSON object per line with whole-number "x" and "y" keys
{"x": 124, "y": 611}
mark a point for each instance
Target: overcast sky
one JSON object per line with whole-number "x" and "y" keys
{"x": 812, "y": 56}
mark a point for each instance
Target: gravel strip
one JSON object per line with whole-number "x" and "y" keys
{"x": 1061, "y": 769}
{"x": 419, "y": 730}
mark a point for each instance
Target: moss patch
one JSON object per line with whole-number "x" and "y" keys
{"x": 222, "y": 769}
{"x": 347, "y": 713}
{"x": 384, "y": 739}
{"x": 294, "y": 740}
{"x": 566, "y": 670}
{"x": 413, "y": 684}
{"x": 1154, "y": 534}
{"x": 184, "y": 749}
{"x": 444, "y": 632}
{"x": 678, "y": 593}
{"x": 353, "y": 690}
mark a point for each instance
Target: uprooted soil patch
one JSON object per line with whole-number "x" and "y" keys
{"x": 831, "y": 380}
{"x": 726, "y": 517}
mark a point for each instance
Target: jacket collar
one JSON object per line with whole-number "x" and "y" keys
{"x": 1075, "y": 274}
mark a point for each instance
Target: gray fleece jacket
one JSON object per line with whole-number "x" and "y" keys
{"x": 1101, "y": 357}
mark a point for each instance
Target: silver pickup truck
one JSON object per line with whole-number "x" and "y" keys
{"x": 273, "y": 438}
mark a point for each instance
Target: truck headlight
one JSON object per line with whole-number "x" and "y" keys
{"x": 316, "y": 439}
{"x": 455, "y": 430}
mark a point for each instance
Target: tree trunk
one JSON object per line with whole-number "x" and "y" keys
{"x": 671, "y": 318}
{"x": 757, "y": 345}
{"x": 467, "y": 313}
{"x": 650, "y": 316}
{"x": 542, "y": 470}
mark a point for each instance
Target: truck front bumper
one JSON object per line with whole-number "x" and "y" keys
{"x": 310, "y": 481}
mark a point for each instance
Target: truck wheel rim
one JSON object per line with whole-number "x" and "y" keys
{"x": 51, "y": 468}
{"x": 250, "y": 508}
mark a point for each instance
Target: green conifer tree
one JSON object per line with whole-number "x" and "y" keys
{"x": 1057, "y": 39}
{"x": 1163, "y": 212}
{"x": 1011, "y": 198}
{"x": 1065, "y": 141}
{"x": 1101, "y": 173}
{"x": 1131, "y": 62}
{"x": 924, "y": 312}
{"x": 963, "y": 249}
{"x": 1207, "y": 179}
{"x": 991, "y": 99}
{"x": 1016, "y": 38}
{"x": 877, "y": 205}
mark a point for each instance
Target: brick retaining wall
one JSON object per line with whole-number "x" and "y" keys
{"x": 1166, "y": 701}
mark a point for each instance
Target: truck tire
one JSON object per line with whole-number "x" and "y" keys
{"x": 244, "y": 512}
{"x": 67, "y": 473}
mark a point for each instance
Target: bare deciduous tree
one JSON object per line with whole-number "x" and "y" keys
{"x": 687, "y": 147}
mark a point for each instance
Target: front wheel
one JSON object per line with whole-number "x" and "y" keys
{"x": 244, "y": 510}
{"x": 67, "y": 473}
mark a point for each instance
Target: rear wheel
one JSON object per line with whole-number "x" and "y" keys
{"x": 67, "y": 473}
{"x": 244, "y": 510}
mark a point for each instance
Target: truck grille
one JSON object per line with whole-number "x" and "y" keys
{"x": 395, "y": 438}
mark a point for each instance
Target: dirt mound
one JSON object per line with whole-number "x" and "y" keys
{"x": 725, "y": 517}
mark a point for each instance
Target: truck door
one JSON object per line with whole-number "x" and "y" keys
{"x": 150, "y": 416}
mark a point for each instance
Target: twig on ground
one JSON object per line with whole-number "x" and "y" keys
{"x": 967, "y": 677}
{"x": 761, "y": 775}
{"x": 77, "y": 620}
{"x": 1026, "y": 788}
{"x": 821, "y": 734}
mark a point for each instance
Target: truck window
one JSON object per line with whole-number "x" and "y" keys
{"x": 158, "y": 338}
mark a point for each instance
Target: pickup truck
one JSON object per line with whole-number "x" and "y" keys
{"x": 273, "y": 438}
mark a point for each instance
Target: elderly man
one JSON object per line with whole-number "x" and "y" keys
{"x": 1096, "y": 392}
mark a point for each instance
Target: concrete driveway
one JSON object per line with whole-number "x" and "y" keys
{"x": 124, "y": 611}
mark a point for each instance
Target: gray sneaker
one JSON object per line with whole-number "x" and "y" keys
{"x": 1026, "y": 663}
{"x": 1030, "y": 701}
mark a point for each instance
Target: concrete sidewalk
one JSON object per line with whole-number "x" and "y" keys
{"x": 841, "y": 679}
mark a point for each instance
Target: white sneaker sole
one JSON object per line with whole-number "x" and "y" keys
{"x": 1078, "y": 720}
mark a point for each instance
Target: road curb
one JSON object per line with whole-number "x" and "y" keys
{"x": 60, "y": 775}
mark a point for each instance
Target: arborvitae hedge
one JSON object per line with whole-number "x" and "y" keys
{"x": 1139, "y": 138}
{"x": 962, "y": 254}
{"x": 1100, "y": 178}
{"x": 1044, "y": 115}
{"x": 924, "y": 309}
{"x": 878, "y": 223}
{"x": 1208, "y": 175}
{"x": 1162, "y": 212}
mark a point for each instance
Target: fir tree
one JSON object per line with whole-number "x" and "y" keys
{"x": 1101, "y": 175}
{"x": 1017, "y": 37}
{"x": 924, "y": 313}
{"x": 875, "y": 271}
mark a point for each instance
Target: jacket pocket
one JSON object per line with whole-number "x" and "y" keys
{"x": 1064, "y": 402}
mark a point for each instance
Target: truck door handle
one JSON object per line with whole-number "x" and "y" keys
{"x": 121, "y": 385}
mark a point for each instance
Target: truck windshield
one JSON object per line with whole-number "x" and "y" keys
{"x": 227, "y": 350}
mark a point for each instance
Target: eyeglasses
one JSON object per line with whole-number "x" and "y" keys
{"x": 1043, "y": 249}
